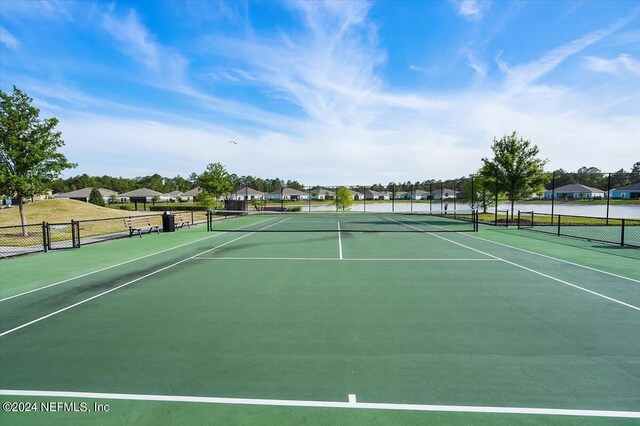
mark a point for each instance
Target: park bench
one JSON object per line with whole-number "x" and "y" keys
{"x": 140, "y": 224}
{"x": 180, "y": 222}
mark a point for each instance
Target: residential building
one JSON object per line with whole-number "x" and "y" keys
{"x": 575, "y": 191}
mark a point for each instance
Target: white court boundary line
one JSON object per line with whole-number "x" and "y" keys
{"x": 545, "y": 255}
{"x": 364, "y": 259}
{"x": 132, "y": 281}
{"x": 529, "y": 269}
{"x": 352, "y": 403}
{"x": 555, "y": 258}
{"x": 119, "y": 264}
{"x": 339, "y": 241}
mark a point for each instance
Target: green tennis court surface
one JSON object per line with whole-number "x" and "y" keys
{"x": 495, "y": 327}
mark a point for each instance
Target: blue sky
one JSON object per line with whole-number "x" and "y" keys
{"x": 328, "y": 92}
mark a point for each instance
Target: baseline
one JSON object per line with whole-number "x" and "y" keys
{"x": 351, "y": 403}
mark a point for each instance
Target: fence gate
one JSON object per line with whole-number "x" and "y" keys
{"x": 61, "y": 235}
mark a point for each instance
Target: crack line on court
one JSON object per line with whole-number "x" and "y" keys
{"x": 132, "y": 281}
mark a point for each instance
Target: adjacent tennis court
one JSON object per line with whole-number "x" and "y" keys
{"x": 349, "y": 318}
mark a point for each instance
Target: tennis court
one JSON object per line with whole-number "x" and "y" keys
{"x": 327, "y": 318}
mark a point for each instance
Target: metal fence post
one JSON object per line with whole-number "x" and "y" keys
{"x": 411, "y": 195}
{"x": 622, "y": 234}
{"x": 553, "y": 194}
{"x": 45, "y": 242}
{"x": 518, "y": 219}
{"x": 608, "y": 196}
{"x": 393, "y": 198}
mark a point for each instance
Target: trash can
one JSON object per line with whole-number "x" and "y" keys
{"x": 168, "y": 222}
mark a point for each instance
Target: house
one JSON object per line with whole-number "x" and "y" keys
{"x": 356, "y": 195}
{"x": 627, "y": 192}
{"x": 401, "y": 195}
{"x": 370, "y": 194}
{"x": 84, "y": 194}
{"x": 191, "y": 194}
{"x": 142, "y": 195}
{"x": 574, "y": 191}
{"x": 247, "y": 193}
{"x": 445, "y": 194}
{"x": 173, "y": 195}
{"x": 419, "y": 194}
{"x": 319, "y": 193}
{"x": 287, "y": 194}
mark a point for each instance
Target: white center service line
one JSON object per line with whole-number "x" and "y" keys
{"x": 351, "y": 403}
{"x": 132, "y": 281}
{"x": 339, "y": 241}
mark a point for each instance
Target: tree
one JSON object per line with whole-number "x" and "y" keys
{"x": 113, "y": 198}
{"x": 343, "y": 199}
{"x": 96, "y": 197}
{"x": 483, "y": 192}
{"x": 29, "y": 159}
{"x": 516, "y": 167}
{"x": 634, "y": 176}
{"x": 215, "y": 181}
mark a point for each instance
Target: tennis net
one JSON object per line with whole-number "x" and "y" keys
{"x": 270, "y": 221}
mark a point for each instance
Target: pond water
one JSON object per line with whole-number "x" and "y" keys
{"x": 615, "y": 210}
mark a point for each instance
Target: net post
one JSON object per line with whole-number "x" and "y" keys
{"x": 559, "y": 216}
{"x": 473, "y": 192}
{"x": 622, "y": 234}
{"x": 518, "y": 219}
{"x": 192, "y": 217}
{"x": 45, "y": 243}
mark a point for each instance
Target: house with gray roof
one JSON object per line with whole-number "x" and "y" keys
{"x": 575, "y": 191}
{"x": 247, "y": 193}
{"x": 191, "y": 194}
{"x": 287, "y": 194}
{"x": 319, "y": 193}
{"x": 445, "y": 194}
{"x": 84, "y": 194}
{"x": 627, "y": 192}
{"x": 142, "y": 195}
{"x": 370, "y": 194}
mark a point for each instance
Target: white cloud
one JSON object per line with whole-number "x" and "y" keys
{"x": 624, "y": 63}
{"x": 8, "y": 39}
{"x": 477, "y": 65}
{"x": 522, "y": 75}
{"x": 136, "y": 42}
{"x": 469, "y": 9}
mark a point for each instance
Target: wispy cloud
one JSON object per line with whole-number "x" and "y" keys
{"x": 521, "y": 76}
{"x": 8, "y": 39}
{"x": 469, "y": 9}
{"x": 479, "y": 66}
{"x": 134, "y": 40}
{"x": 624, "y": 63}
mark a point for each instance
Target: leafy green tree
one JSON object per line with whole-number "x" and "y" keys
{"x": 215, "y": 181}
{"x": 484, "y": 192}
{"x": 29, "y": 159}
{"x": 516, "y": 167}
{"x": 343, "y": 199}
{"x": 634, "y": 175}
{"x": 96, "y": 197}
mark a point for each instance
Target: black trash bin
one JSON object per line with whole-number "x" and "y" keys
{"x": 168, "y": 222}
